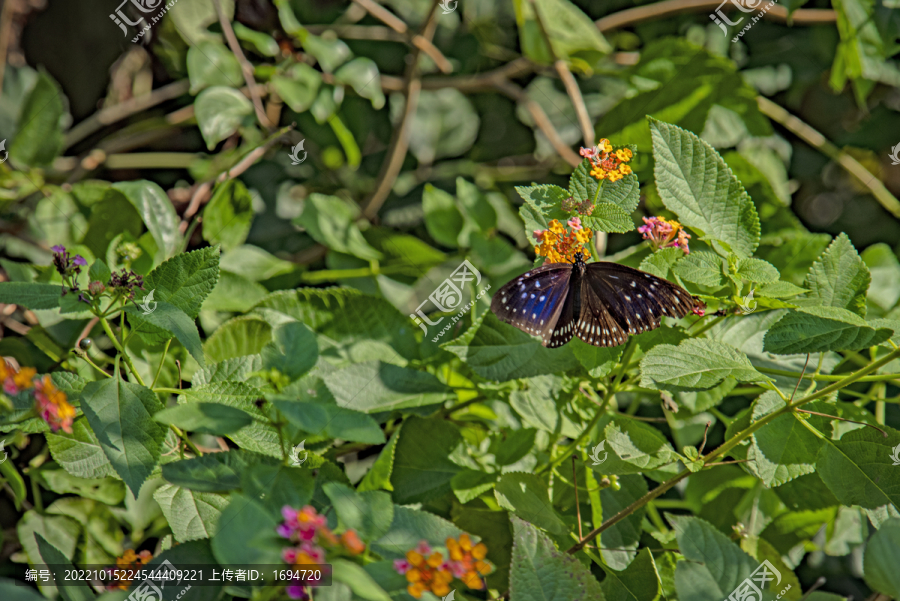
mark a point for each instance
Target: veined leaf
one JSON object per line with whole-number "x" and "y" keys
{"x": 32, "y": 296}
{"x": 542, "y": 204}
{"x": 191, "y": 514}
{"x": 819, "y": 329}
{"x": 839, "y": 278}
{"x": 882, "y": 556}
{"x": 701, "y": 267}
{"x": 858, "y": 468}
{"x": 695, "y": 364}
{"x": 374, "y": 386}
{"x": 526, "y": 496}
{"x": 157, "y": 213}
{"x": 171, "y": 319}
{"x": 696, "y": 184}
{"x": 757, "y": 270}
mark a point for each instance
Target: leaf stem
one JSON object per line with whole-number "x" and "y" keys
{"x": 826, "y": 377}
{"x": 161, "y": 362}
{"x": 121, "y": 350}
{"x": 183, "y": 435}
{"x": 84, "y": 355}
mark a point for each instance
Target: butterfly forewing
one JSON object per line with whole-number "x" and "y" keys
{"x": 596, "y": 324}
{"x": 533, "y": 302}
{"x": 637, "y": 300}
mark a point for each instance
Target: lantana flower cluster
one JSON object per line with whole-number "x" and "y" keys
{"x": 559, "y": 245}
{"x": 309, "y": 533}
{"x": 664, "y": 233}
{"x": 427, "y": 570}
{"x": 50, "y": 402}
{"x": 607, "y": 163}
{"x": 121, "y": 283}
{"x": 129, "y": 563}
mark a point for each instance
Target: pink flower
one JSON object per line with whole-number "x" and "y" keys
{"x": 284, "y": 530}
{"x": 423, "y": 549}
{"x": 402, "y": 566}
{"x": 589, "y": 153}
{"x": 289, "y": 555}
{"x": 539, "y": 234}
{"x": 663, "y": 233}
{"x": 575, "y": 223}
{"x": 297, "y": 591}
{"x": 9, "y": 387}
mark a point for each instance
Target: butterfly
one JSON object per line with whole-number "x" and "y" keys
{"x": 601, "y": 303}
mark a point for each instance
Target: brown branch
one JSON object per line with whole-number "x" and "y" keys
{"x": 246, "y": 67}
{"x": 419, "y": 41}
{"x": 399, "y": 144}
{"x": 541, "y": 120}
{"x": 110, "y": 115}
{"x": 668, "y": 8}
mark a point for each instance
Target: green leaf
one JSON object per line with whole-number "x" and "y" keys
{"x": 626, "y": 533}
{"x": 238, "y": 337}
{"x": 246, "y": 534}
{"x": 783, "y": 449}
{"x": 220, "y": 111}
{"x": 608, "y": 217}
{"x": 293, "y": 350}
{"x": 60, "y": 563}
{"x": 375, "y": 386}
{"x": 298, "y": 86}
{"x": 238, "y": 395}
{"x": 12, "y": 590}
{"x": 106, "y": 490}
{"x": 695, "y": 364}
{"x": 633, "y": 447}
{"x": 206, "y": 418}
{"x": 155, "y": 209}
{"x": 858, "y": 468}
{"x": 527, "y": 497}
{"x": 212, "y": 64}
{"x": 839, "y": 278}
{"x": 542, "y": 204}
{"x": 262, "y": 43}
{"x": 480, "y": 214}
{"x": 470, "y": 484}
{"x": 696, "y": 184}
{"x": 31, "y": 296}
{"x": 638, "y": 582}
{"x": 358, "y": 580}
{"x": 99, "y": 272}
{"x": 540, "y": 572}
{"x": 330, "y": 221}
{"x": 498, "y": 351}
{"x": 40, "y": 136}
{"x": 80, "y": 453}
{"x": 213, "y": 472}
{"x": 757, "y": 270}
{"x": 173, "y": 320}
{"x": 379, "y": 475}
{"x": 411, "y": 526}
{"x": 120, "y": 415}
{"x": 881, "y": 558}
{"x": 597, "y": 360}
{"x": 884, "y": 267}
{"x": 701, "y": 267}
{"x": 329, "y": 51}
{"x": 715, "y": 566}
{"x": 324, "y": 418}
{"x": 571, "y": 32}
{"x": 445, "y": 124}
{"x": 819, "y": 329}
{"x": 227, "y": 217}
{"x": 422, "y": 469}
{"x": 61, "y": 531}
{"x": 863, "y": 53}
{"x": 362, "y": 75}
{"x": 780, "y": 289}
{"x": 191, "y": 514}
{"x": 370, "y": 513}
{"x": 234, "y": 293}
{"x": 443, "y": 218}
{"x": 661, "y": 262}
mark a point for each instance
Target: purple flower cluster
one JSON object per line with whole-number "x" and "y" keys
{"x": 125, "y": 281}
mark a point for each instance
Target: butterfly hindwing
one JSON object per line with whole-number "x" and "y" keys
{"x": 534, "y": 301}
{"x": 635, "y": 299}
{"x": 596, "y": 325}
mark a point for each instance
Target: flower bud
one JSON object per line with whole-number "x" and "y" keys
{"x": 96, "y": 288}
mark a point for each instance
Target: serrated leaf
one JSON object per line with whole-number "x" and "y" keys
{"x": 780, "y": 289}
{"x": 172, "y": 320}
{"x": 375, "y": 386}
{"x": 695, "y": 364}
{"x": 206, "y": 418}
{"x": 369, "y": 513}
{"x": 839, "y": 278}
{"x": 526, "y": 496}
{"x": 607, "y": 217}
{"x": 540, "y": 572}
{"x": 542, "y": 204}
{"x": 250, "y": 534}
{"x": 246, "y": 335}
{"x": 79, "y": 453}
{"x": 186, "y": 279}
{"x": 661, "y": 262}
{"x": 30, "y": 295}
{"x": 819, "y": 329}
{"x": 757, "y": 270}
{"x": 411, "y": 526}
{"x": 191, "y": 514}
{"x": 228, "y": 215}
{"x": 324, "y": 418}
{"x": 881, "y": 558}
{"x": 633, "y": 448}
{"x": 784, "y": 448}
{"x": 213, "y": 472}
{"x": 638, "y": 582}
{"x": 422, "y": 469}
{"x": 60, "y": 564}
{"x": 120, "y": 414}
{"x": 858, "y": 468}
{"x": 701, "y": 267}
{"x": 695, "y": 183}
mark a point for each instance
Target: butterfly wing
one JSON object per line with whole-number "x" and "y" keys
{"x": 636, "y": 300}
{"x": 536, "y": 302}
{"x": 596, "y": 324}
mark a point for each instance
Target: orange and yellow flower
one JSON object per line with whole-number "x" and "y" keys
{"x": 467, "y": 561}
{"x": 608, "y": 164}
{"x": 129, "y": 563}
{"x": 430, "y": 573}
{"x": 427, "y": 570}
{"x": 559, "y": 245}
{"x": 53, "y": 406}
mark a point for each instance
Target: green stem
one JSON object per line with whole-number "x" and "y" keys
{"x": 121, "y": 350}
{"x": 709, "y": 325}
{"x": 183, "y": 435}
{"x": 84, "y": 355}
{"x": 161, "y": 362}
{"x": 826, "y": 377}
{"x": 733, "y": 442}
{"x": 36, "y": 493}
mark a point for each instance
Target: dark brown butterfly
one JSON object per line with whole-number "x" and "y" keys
{"x": 601, "y": 303}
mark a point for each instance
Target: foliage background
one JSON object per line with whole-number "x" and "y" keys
{"x": 82, "y": 106}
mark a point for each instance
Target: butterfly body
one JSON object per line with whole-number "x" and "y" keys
{"x": 601, "y": 303}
